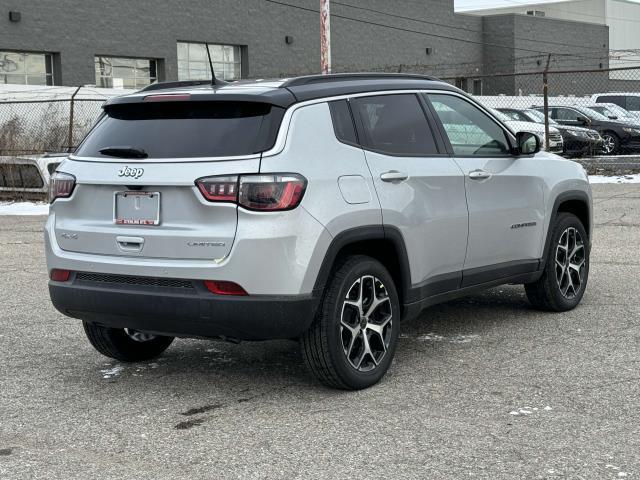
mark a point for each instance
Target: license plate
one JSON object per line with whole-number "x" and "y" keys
{"x": 136, "y": 208}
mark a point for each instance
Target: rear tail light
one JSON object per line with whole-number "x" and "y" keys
{"x": 58, "y": 275}
{"x": 61, "y": 185}
{"x": 267, "y": 193}
{"x": 219, "y": 189}
{"x": 224, "y": 288}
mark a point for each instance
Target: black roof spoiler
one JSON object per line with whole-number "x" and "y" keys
{"x": 181, "y": 84}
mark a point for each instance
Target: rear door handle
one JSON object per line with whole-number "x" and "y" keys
{"x": 393, "y": 176}
{"x": 479, "y": 175}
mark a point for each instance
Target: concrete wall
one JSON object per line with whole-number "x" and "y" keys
{"x": 573, "y": 45}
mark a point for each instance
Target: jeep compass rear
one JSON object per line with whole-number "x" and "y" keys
{"x": 321, "y": 208}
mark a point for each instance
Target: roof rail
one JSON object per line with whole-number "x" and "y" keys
{"x": 180, "y": 84}
{"x": 337, "y": 77}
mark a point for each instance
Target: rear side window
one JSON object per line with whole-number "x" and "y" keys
{"x": 617, "y": 99}
{"x": 185, "y": 129}
{"x": 395, "y": 125}
{"x": 343, "y": 122}
{"x": 20, "y": 176}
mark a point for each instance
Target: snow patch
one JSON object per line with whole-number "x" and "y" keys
{"x": 528, "y": 411}
{"x": 635, "y": 178}
{"x": 24, "y": 208}
{"x": 112, "y": 372}
{"x": 434, "y": 337}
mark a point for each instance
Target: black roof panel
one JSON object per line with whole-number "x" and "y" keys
{"x": 285, "y": 92}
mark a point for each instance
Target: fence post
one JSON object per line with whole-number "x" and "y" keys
{"x": 71, "y": 107}
{"x": 545, "y": 93}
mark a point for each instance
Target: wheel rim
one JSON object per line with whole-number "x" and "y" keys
{"x": 139, "y": 336}
{"x": 609, "y": 143}
{"x": 366, "y": 323}
{"x": 571, "y": 263}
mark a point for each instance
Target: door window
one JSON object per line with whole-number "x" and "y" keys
{"x": 566, "y": 115}
{"x": 395, "y": 125}
{"x": 471, "y": 132}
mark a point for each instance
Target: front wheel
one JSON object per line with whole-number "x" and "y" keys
{"x": 125, "y": 344}
{"x": 564, "y": 279}
{"x": 611, "y": 143}
{"x": 353, "y": 339}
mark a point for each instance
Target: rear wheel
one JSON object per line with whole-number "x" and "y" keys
{"x": 564, "y": 279}
{"x": 352, "y": 341}
{"x": 125, "y": 344}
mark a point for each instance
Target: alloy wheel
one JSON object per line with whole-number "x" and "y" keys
{"x": 366, "y": 323}
{"x": 139, "y": 336}
{"x": 570, "y": 262}
{"x": 609, "y": 143}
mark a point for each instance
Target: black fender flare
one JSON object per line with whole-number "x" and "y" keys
{"x": 578, "y": 195}
{"x": 362, "y": 234}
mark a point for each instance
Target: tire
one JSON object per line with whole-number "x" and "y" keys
{"x": 563, "y": 282}
{"x": 334, "y": 348}
{"x": 611, "y": 143}
{"x": 124, "y": 344}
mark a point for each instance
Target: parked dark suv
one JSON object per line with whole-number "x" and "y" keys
{"x": 618, "y": 137}
{"x": 578, "y": 141}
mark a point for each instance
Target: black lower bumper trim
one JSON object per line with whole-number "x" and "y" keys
{"x": 198, "y": 313}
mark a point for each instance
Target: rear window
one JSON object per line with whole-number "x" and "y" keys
{"x": 14, "y": 175}
{"x": 185, "y": 129}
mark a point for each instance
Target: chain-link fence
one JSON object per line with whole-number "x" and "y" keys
{"x": 589, "y": 112}
{"x": 40, "y": 126}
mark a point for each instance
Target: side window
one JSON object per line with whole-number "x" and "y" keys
{"x": 395, "y": 124}
{"x": 566, "y": 114}
{"x": 633, "y": 104}
{"x": 471, "y": 132}
{"x": 515, "y": 115}
{"x": 343, "y": 122}
{"x": 617, "y": 99}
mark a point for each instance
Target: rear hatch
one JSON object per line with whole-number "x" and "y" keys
{"x": 135, "y": 192}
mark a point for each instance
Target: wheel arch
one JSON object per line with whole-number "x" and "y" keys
{"x": 576, "y": 202}
{"x": 385, "y": 244}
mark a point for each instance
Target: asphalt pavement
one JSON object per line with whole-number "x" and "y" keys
{"x": 482, "y": 387}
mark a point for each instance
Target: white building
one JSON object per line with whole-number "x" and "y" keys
{"x": 621, "y": 16}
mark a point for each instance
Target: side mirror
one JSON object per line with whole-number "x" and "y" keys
{"x": 528, "y": 143}
{"x": 584, "y": 120}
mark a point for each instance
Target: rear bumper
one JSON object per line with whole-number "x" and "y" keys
{"x": 184, "y": 312}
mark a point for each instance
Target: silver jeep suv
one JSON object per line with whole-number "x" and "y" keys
{"x": 328, "y": 209}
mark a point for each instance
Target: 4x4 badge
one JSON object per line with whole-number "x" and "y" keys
{"x": 127, "y": 171}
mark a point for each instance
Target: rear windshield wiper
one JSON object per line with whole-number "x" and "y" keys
{"x": 123, "y": 152}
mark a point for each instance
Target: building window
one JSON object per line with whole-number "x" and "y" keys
{"x": 535, "y": 13}
{"x": 193, "y": 63}
{"x": 26, "y": 68}
{"x": 477, "y": 87}
{"x": 117, "y": 72}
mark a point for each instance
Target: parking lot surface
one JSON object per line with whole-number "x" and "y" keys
{"x": 482, "y": 387}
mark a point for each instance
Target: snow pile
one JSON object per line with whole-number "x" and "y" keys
{"x": 24, "y": 208}
{"x": 635, "y": 178}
